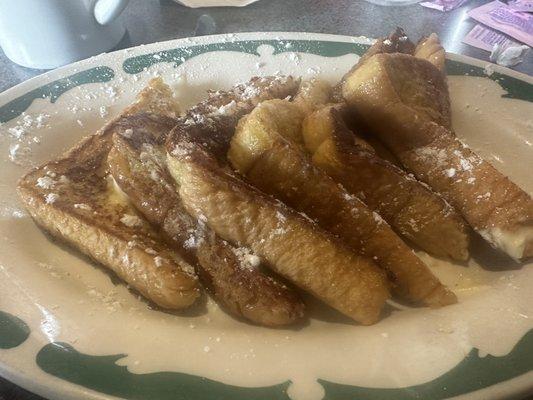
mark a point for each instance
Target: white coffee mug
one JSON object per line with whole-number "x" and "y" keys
{"x": 46, "y": 34}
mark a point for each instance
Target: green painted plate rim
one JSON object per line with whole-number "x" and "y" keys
{"x": 58, "y": 359}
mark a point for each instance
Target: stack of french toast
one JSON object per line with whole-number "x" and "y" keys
{"x": 278, "y": 186}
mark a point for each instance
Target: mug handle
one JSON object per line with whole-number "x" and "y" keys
{"x": 105, "y": 11}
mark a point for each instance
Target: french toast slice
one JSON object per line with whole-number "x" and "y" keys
{"x": 430, "y": 49}
{"x": 412, "y": 209}
{"x": 75, "y": 199}
{"x": 396, "y": 42}
{"x": 421, "y": 85}
{"x": 263, "y": 152}
{"x": 213, "y": 121}
{"x": 137, "y": 161}
{"x": 403, "y": 100}
{"x": 292, "y": 245}
{"x": 313, "y": 94}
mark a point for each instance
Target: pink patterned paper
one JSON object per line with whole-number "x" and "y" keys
{"x": 503, "y": 18}
{"x": 521, "y": 5}
{"x": 485, "y": 38}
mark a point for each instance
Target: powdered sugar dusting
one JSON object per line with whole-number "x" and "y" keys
{"x": 24, "y": 135}
{"x": 450, "y": 173}
{"x": 51, "y": 198}
{"x": 377, "y": 218}
{"x": 228, "y": 109}
{"x": 432, "y": 153}
{"x": 459, "y": 164}
{"x": 183, "y": 149}
{"x": 83, "y": 206}
{"x": 27, "y": 123}
{"x": 45, "y": 182}
{"x": 237, "y": 101}
{"x": 196, "y": 234}
{"x": 158, "y": 260}
{"x": 131, "y": 220}
{"x": 246, "y": 257}
{"x": 465, "y": 164}
{"x": 191, "y": 242}
{"x": 127, "y": 133}
{"x": 413, "y": 225}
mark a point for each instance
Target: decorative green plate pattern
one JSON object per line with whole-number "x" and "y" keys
{"x": 53, "y": 90}
{"x": 101, "y": 373}
{"x": 515, "y": 88}
{"x": 13, "y": 331}
{"x": 473, "y": 373}
{"x": 179, "y": 55}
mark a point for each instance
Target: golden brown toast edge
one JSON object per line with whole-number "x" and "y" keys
{"x": 494, "y": 206}
{"x": 430, "y": 48}
{"x": 213, "y": 120}
{"x": 292, "y": 245}
{"x": 396, "y": 42}
{"x": 138, "y": 164}
{"x": 70, "y": 198}
{"x": 411, "y": 208}
{"x": 279, "y": 167}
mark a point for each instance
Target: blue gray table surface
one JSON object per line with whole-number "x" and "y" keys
{"x": 149, "y": 21}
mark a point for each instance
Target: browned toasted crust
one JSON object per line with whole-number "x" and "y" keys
{"x": 291, "y": 245}
{"x": 281, "y": 168}
{"x": 417, "y": 83}
{"x": 138, "y": 163}
{"x": 413, "y": 210}
{"x": 416, "y": 128}
{"x": 430, "y": 48}
{"x": 72, "y": 199}
{"x": 396, "y": 42}
{"x": 312, "y": 94}
{"x": 213, "y": 121}
{"x": 95, "y": 191}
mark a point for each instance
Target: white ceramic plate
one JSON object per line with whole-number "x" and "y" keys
{"x": 67, "y": 331}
